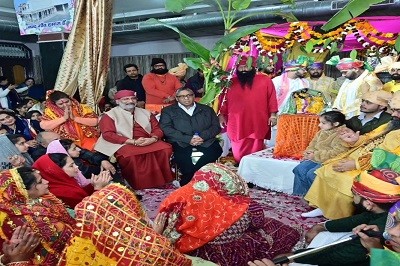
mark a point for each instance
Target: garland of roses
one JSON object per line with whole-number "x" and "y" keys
{"x": 302, "y": 32}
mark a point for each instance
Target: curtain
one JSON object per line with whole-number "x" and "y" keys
{"x": 85, "y": 62}
{"x": 143, "y": 62}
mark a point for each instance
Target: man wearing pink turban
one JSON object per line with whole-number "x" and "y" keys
{"x": 358, "y": 81}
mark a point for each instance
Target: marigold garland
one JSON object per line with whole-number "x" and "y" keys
{"x": 301, "y": 32}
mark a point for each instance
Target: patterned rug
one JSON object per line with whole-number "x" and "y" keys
{"x": 283, "y": 207}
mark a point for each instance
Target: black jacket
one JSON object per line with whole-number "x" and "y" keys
{"x": 180, "y": 127}
{"x": 355, "y": 124}
{"x": 133, "y": 85}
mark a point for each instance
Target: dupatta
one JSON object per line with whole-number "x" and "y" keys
{"x": 62, "y": 185}
{"x": 204, "y": 208}
{"x": 56, "y": 147}
{"x": 46, "y": 216}
{"x": 112, "y": 230}
{"x": 70, "y": 129}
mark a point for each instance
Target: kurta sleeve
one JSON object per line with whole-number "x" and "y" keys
{"x": 109, "y": 132}
{"x": 4, "y": 93}
{"x": 272, "y": 101}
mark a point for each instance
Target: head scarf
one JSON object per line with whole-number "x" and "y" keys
{"x": 46, "y": 216}
{"x": 204, "y": 208}
{"x": 61, "y": 185}
{"x": 301, "y": 61}
{"x": 56, "y": 147}
{"x": 124, "y": 93}
{"x": 348, "y": 63}
{"x": 380, "y": 185}
{"x": 7, "y": 150}
{"x": 319, "y": 65}
{"x": 380, "y": 97}
{"x": 70, "y": 129}
{"x": 394, "y": 103}
{"x": 112, "y": 229}
{"x": 385, "y": 64}
{"x": 179, "y": 71}
{"x": 247, "y": 60}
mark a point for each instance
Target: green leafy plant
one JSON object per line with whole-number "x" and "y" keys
{"x": 212, "y": 61}
{"x": 352, "y": 9}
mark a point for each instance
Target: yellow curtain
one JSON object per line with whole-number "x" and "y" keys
{"x": 85, "y": 63}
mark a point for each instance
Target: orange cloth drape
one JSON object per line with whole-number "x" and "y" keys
{"x": 294, "y": 134}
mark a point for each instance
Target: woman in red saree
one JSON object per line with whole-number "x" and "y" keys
{"x": 24, "y": 200}
{"x": 66, "y": 182}
{"x": 70, "y": 119}
{"x": 214, "y": 218}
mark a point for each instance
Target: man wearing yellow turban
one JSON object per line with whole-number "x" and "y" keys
{"x": 394, "y": 85}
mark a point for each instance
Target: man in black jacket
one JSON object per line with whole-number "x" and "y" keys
{"x": 373, "y": 112}
{"x": 133, "y": 82}
{"x": 191, "y": 128}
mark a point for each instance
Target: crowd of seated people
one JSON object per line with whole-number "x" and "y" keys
{"x": 68, "y": 181}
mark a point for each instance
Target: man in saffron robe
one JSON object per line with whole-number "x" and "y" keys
{"x": 133, "y": 135}
{"x": 249, "y": 109}
{"x": 160, "y": 86}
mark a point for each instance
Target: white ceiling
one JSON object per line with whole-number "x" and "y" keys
{"x": 195, "y": 21}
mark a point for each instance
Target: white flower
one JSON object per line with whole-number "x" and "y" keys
{"x": 216, "y": 80}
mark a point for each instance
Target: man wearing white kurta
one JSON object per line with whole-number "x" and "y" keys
{"x": 291, "y": 80}
{"x": 358, "y": 82}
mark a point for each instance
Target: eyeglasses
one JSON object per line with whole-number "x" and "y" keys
{"x": 185, "y": 96}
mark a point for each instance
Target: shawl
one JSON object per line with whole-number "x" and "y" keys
{"x": 7, "y": 150}
{"x": 46, "y": 216}
{"x": 204, "y": 208}
{"x": 61, "y": 185}
{"x": 69, "y": 129}
{"x": 56, "y": 147}
{"x": 112, "y": 230}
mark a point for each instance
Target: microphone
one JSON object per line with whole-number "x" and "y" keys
{"x": 372, "y": 233}
{"x": 309, "y": 251}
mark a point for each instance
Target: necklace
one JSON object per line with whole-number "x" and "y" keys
{"x": 162, "y": 78}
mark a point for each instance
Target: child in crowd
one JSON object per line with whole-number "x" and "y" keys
{"x": 34, "y": 117}
{"x": 325, "y": 145}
